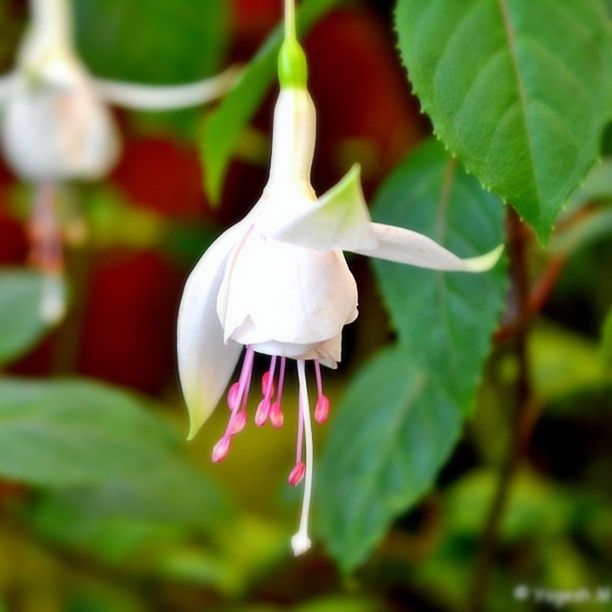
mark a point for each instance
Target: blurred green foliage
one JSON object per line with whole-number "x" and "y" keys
{"x": 177, "y": 41}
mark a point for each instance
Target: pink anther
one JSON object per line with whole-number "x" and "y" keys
{"x": 322, "y": 406}
{"x": 297, "y": 474}
{"x": 221, "y": 449}
{"x": 321, "y": 409}
{"x": 237, "y": 422}
{"x": 263, "y": 411}
{"x": 277, "y": 418}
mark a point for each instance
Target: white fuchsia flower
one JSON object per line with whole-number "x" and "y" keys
{"x": 277, "y": 283}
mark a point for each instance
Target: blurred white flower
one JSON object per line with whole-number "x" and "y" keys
{"x": 56, "y": 125}
{"x": 277, "y": 283}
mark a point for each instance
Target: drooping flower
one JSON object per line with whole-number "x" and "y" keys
{"x": 56, "y": 125}
{"x": 277, "y": 284}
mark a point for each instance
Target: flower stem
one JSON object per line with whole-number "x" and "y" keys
{"x": 292, "y": 65}
{"x": 290, "y": 27}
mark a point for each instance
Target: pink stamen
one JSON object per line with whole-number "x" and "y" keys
{"x": 221, "y": 449}
{"x": 236, "y": 391}
{"x": 321, "y": 413}
{"x": 267, "y": 388}
{"x": 267, "y": 380}
{"x": 232, "y": 395}
{"x": 298, "y": 471}
{"x": 237, "y": 398}
{"x": 267, "y": 384}
{"x": 263, "y": 412}
{"x": 297, "y": 474}
{"x": 237, "y": 422}
{"x": 245, "y": 379}
{"x": 281, "y": 379}
{"x": 321, "y": 409}
{"x": 277, "y": 418}
{"x": 276, "y": 414}
{"x": 317, "y": 366}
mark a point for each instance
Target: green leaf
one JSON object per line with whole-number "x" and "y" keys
{"x": 224, "y": 125}
{"x": 21, "y": 324}
{"x": 444, "y": 320}
{"x": 516, "y": 89}
{"x": 403, "y": 413}
{"x": 77, "y": 433}
{"x": 178, "y": 41}
{"x": 393, "y": 431}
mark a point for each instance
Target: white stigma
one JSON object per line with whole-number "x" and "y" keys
{"x": 300, "y": 542}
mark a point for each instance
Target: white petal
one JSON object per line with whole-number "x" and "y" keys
{"x": 159, "y": 97}
{"x": 328, "y": 352}
{"x": 205, "y": 362}
{"x": 291, "y": 294}
{"x": 339, "y": 220}
{"x": 408, "y": 247}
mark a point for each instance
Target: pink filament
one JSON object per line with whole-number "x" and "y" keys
{"x": 276, "y": 414}
{"x": 267, "y": 388}
{"x": 267, "y": 380}
{"x": 263, "y": 412}
{"x": 235, "y": 394}
{"x": 321, "y": 412}
{"x": 237, "y": 398}
{"x": 232, "y": 395}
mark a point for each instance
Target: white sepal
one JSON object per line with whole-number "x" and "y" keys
{"x": 339, "y": 220}
{"x": 205, "y": 361}
{"x": 166, "y": 97}
{"x": 408, "y": 247}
